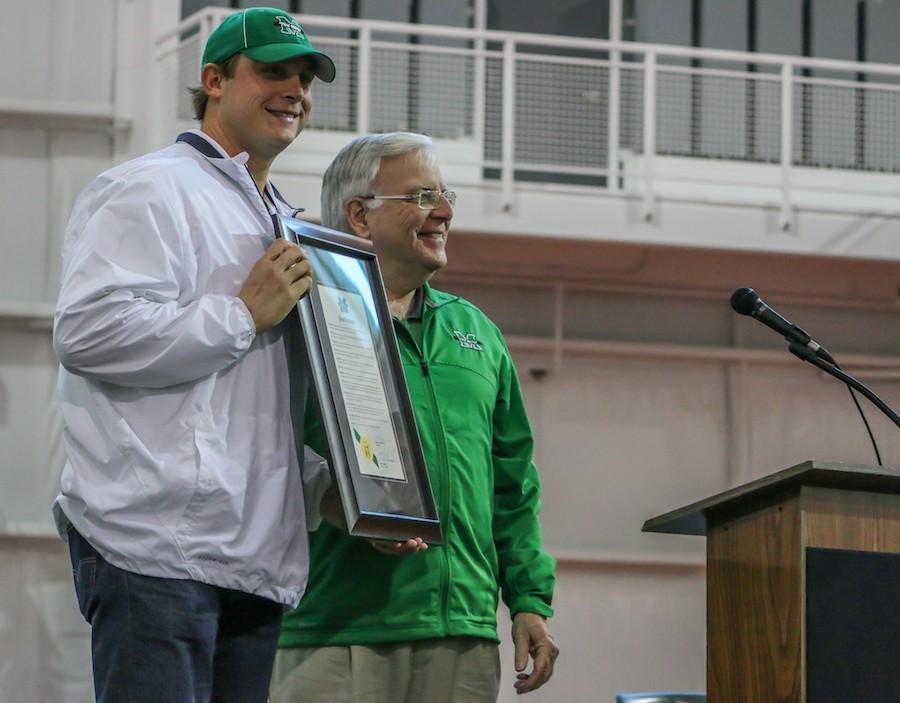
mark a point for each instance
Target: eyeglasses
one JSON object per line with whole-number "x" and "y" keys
{"x": 425, "y": 199}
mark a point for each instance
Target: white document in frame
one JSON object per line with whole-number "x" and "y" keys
{"x": 361, "y": 383}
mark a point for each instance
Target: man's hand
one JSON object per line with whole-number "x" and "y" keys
{"x": 276, "y": 282}
{"x": 410, "y": 546}
{"x": 331, "y": 511}
{"x": 531, "y": 636}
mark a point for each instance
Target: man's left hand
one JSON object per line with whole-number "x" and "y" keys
{"x": 532, "y": 637}
{"x": 410, "y": 546}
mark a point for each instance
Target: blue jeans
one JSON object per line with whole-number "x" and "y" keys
{"x": 172, "y": 640}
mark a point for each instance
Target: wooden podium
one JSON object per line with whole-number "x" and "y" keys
{"x": 803, "y": 585}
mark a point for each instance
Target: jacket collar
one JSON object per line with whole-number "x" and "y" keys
{"x": 437, "y": 298}
{"x": 235, "y": 167}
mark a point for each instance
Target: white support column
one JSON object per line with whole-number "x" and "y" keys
{"x": 144, "y": 90}
{"x": 787, "y": 143}
{"x": 507, "y": 170}
{"x": 125, "y": 102}
{"x": 364, "y": 74}
{"x": 649, "y": 133}
{"x": 479, "y": 74}
{"x": 613, "y": 102}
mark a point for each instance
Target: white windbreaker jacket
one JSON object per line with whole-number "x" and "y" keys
{"x": 181, "y": 458}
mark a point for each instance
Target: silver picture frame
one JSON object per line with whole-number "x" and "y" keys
{"x": 374, "y": 449}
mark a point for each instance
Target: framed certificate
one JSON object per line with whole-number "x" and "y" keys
{"x": 376, "y": 456}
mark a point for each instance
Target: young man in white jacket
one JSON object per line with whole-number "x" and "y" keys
{"x": 181, "y": 496}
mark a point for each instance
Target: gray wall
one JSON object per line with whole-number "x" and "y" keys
{"x": 620, "y": 437}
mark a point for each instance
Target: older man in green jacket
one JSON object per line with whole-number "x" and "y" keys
{"x": 377, "y": 626}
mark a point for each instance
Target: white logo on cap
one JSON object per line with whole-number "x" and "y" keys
{"x": 289, "y": 25}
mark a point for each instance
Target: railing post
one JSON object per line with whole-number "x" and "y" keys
{"x": 507, "y": 158}
{"x": 364, "y": 73}
{"x": 649, "y": 132}
{"x": 613, "y": 101}
{"x": 787, "y": 143}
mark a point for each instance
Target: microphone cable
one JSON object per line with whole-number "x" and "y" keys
{"x": 862, "y": 414}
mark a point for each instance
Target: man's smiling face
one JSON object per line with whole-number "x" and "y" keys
{"x": 262, "y": 108}
{"x": 404, "y": 235}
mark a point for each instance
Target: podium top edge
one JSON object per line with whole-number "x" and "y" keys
{"x": 692, "y": 519}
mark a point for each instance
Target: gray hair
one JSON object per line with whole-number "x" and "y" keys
{"x": 356, "y": 166}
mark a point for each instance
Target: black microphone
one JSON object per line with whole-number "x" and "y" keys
{"x": 746, "y": 301}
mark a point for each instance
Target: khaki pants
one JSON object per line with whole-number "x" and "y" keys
{"x": 450, "y": 669}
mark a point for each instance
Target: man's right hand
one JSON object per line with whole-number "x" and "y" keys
{"x": 276, "y": 282}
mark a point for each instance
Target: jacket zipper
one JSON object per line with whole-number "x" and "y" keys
{"x": 445, "y": 468}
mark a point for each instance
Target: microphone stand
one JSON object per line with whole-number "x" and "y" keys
{"x": 803, "y": 352}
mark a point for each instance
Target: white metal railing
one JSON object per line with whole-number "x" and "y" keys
{"x": 590, "y": 112}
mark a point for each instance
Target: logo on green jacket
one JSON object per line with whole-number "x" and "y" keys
{"x": 467, "y": 340}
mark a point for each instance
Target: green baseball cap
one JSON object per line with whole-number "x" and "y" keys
{"x": 267, "y": 35}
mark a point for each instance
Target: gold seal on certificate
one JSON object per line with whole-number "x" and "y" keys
{"x": 374, "y": 450}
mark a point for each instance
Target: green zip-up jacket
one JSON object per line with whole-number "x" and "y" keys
{"x": 478, "y": 448}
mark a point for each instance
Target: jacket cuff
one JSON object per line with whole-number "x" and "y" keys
{"x": 249, "y": 333}
{"x": 530, "y": 604}
{"x": 316, "y": 478}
